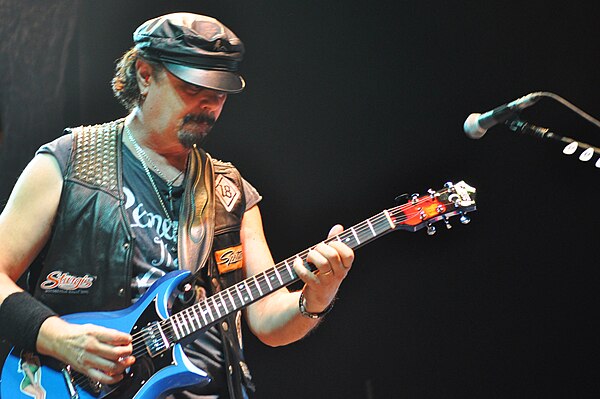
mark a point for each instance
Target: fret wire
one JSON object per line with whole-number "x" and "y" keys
{"x": 216, "y": 306}
{"x": 237, "y": 289}
{"x": 189, "y": 319}
{"x": 355, "y": 235}
{"x": 257, "y": 285}
{"x": 389, "y": 218}
{"x": 223, "y": 302}
{"x": 206, "y": 310}
{"x": 254, "y": 289}
{"x": 371, "y": 227}
{"x": 172, "y": 320}
{"x": 162, "y": 334}
{"x": 201, "y": 311}
{"x": 209, "y": 309}
{"x": 179, "y": 324}
{"x": 262, "y": 282}
{"x": 248, "y": 290}
{"x": 166, "y": 327}
{"x": 365, "y": 232}
{"x": 233, "y": 304}
{"x": 267, "y": 280}
{"x": 346, "y": 237}
{"x": 184, "y": 321}
{"x": 272, "y": 278}
{"x": 195, "y": 313}
{"x": 289, "y": 269}
{"x": 282, "y": 268}
{"x": 242, "y": 289}
{"x": 278, "y": 276}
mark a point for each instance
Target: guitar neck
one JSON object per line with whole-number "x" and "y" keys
{"x": 417, "y": 213}
{"x": 215, "y": 308}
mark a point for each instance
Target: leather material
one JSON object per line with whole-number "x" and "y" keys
{"x": 196, "y": 48}
{"x": 91, "y": 219}
{"x": 197, "y": 218}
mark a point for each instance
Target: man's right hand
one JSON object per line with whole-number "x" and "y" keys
{"x": 100, "y": 353}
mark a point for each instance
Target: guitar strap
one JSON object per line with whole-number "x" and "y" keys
{"x": 197, "y": 217}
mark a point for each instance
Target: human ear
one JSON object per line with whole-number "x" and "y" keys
{"x": 143, "y": 75}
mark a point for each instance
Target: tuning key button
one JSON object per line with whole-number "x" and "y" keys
{"x": 598, "y": 163}
{"x": 430, "y": 229}
{"x": 464, "y": 219}
{"x": 447, "y": 222}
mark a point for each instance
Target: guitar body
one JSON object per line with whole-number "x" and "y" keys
{"x": 161, "y": 365}
{"x": 30, "y": 375}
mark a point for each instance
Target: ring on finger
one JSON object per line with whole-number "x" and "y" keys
{"x": 330, "y": 271}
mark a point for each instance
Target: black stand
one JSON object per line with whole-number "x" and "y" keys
{"x": 572, "y": 145}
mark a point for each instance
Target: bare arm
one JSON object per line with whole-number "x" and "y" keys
{"x": 25, "y": 227}
{"x": 276, "y": 319}
{"x": 26, "y": 222}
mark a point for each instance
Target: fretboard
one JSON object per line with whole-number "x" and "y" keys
{"x": 215, "y": 308}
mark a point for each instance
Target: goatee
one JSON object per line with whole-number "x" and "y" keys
{"x": 195, "y": 127}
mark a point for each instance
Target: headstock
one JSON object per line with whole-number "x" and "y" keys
{"x": 424, "y": 211}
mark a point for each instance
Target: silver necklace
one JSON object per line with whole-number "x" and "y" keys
{"x": 143, "y": 157}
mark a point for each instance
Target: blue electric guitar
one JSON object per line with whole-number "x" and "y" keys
{"x": 161, "y": 365}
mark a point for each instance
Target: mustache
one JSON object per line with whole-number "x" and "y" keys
{"x": 204, "y": 117}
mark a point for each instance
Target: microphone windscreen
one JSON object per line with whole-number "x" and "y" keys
{"x": 472, "y": 128}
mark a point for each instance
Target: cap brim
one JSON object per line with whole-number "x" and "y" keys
{"x": 228, "y": 82}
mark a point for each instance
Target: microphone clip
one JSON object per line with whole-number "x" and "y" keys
{"x": 529, "y": 129}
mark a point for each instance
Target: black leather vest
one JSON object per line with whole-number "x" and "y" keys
{"x": 86, "y": 265}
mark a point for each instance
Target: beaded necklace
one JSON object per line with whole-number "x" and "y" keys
{"x": 143, "y": 157}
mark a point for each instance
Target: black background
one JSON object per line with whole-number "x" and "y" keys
{"x": 349, "y": 104}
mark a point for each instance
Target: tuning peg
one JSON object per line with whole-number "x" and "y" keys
{"x": 430, "y": 229}
{"x": 447, "y": 222}
{"x": 464, "y": 219}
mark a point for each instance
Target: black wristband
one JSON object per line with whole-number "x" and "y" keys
{"x": 22, "y": 316}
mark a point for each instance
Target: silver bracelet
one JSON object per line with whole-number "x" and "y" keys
{"x": 305, "y": 313}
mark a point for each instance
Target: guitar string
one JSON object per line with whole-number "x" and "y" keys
{"x": 397, "y": 212}
{"x": 361, "y": 227}
{"x": 261, "y": 278}
{"x": 358, "y": 229}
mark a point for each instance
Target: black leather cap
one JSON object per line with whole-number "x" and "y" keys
{"x": 197, "y": 49}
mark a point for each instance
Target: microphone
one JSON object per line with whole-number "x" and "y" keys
{"x": 476, "y": 125}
